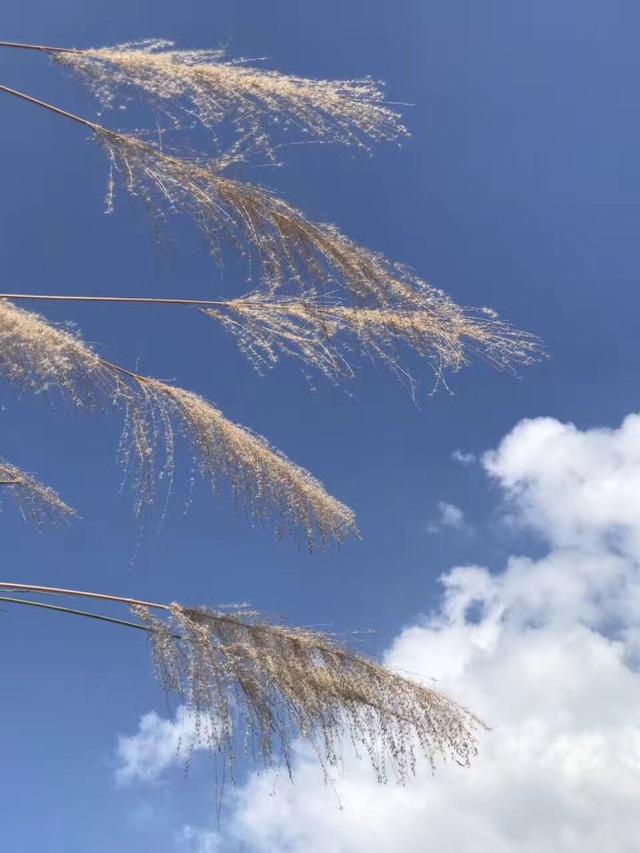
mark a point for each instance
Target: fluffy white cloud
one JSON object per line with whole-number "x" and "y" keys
{"x": 157, "y": 745}
{"x": 545, "y": 651}
{"x": 578, "y": 489}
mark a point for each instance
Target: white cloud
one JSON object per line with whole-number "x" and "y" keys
{"x": 193, "y": 840}
{"x": 546, "y": 651}
{"x": 577, "y": 488}
{"x": 463, "y": 458}
{"x": 542, "y": 651}
{"x": 449, "y": 515}
{"x": 157, "y": 745}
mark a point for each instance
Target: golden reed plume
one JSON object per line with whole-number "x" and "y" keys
{"x": 252, "y": 687}
{"x": 272, "y": 489}
{"x": 200, "y": 85}
{"x": 37, "y": 503}
{"x": 315, "y": 257}
{"x": 250, "y": 682}
{"x": 319, "y": 333}
{"x": 391, "y": 304}
{"x": 251, "y": 219}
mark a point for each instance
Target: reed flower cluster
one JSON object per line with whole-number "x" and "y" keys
{"x": 258, "y": 686}
{"x": 271, "y": 489}
{"x": 315, "y": 258}
{"x": 321, "y": 334}
{"x": 38, "y": 504}
{"x": 323, "y": 299}
{"x": 202, "y": 86}
{"x": 290, "y": 248}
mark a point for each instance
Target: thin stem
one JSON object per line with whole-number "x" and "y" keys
{"x": 86, "y": 613}
{"x": 11, "y": 482}
{"x": 121, "y": 299}
{"x": 144, "y": 300}
{"x": 98, "y": 596}
{"x": 138, "y": 377}
{"x": 43, "y": 48}
{"x": 90, "y": 124}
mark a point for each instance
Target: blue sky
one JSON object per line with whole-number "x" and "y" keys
{"x": 519, "y": 189}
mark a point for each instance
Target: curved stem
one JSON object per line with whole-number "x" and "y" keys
{"x": 144, "y": 300}
{"x": 43, "y": 48}
{"x": 64, "y": 113}
{"x": 86, "y": 613}
{"x": 98, "y": 596}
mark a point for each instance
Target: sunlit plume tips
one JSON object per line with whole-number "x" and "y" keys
{"x": 37, "y": 503}
{"x": 251, "y": 683}
{"x": 271, "y": 489}
{"x": 199, "y": 85}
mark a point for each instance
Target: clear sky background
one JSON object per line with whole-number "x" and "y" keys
{"x": 519, "y": 189}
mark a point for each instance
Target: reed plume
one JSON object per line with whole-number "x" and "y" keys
{"x": 201, "y": 85}
{"x": 39, "y": 357}
{"x": 316, "y": 258}
{"x": 268, "y": 485}
{"x": 290, "y": 248}
{"x": 38, "y": 504}
{"x": 271, "y": 488}
{"x": 258, "y": 685}
{"x": 318, "y": 333}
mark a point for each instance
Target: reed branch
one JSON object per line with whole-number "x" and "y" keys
{"x": 315, "y": 258}
{"x": 252, "y": 682}
{"x": 203, "y": 86}
{"x": 37, "y": 355}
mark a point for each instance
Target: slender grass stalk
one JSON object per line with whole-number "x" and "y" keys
{"x": 53, "y": 109}
{"x": 78, "y": 593}
{"x": 39, "y": 47}
{"x": 143, "y": 300}
{"x": 58, "y": 608}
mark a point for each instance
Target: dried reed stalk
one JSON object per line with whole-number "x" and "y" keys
{"x": 38, "y": 504}
{"x": 201, "y": 85}
{"x": 257, "y": 686}
{"x": 272, "y": 489}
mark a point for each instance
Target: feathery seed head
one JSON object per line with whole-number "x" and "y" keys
{"x": 37, "y": 355}
{"x": 37, "y": 503}
{"x": 264, "y": 481}
{"x": 318, "y": 332}
{"x": 248, "y": 681}
{"x": 200, "y": 85}
{"x": 292, "y": 249}
{"x": 271, "y": 488}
